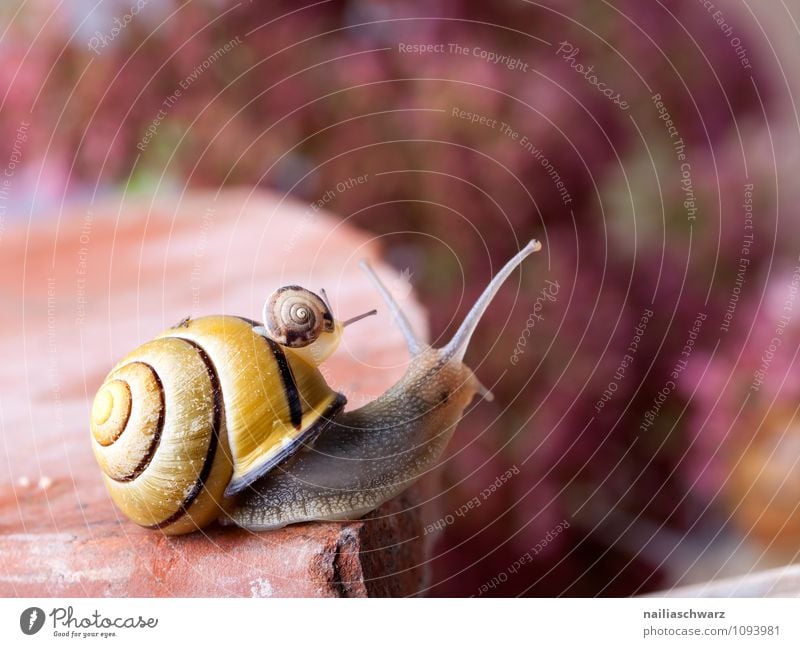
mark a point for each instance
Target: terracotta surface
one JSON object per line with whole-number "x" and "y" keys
{"x": 82, "y": 288}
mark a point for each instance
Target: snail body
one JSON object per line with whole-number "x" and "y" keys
{"x": 207, "y": 421}
{"x": 368, "y": 455}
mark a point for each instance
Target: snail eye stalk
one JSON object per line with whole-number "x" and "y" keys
{"x": 352, "y": 320}
{"x": 326, "y": 299}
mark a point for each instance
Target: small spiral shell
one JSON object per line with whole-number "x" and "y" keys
{"x": 295, "y": 317}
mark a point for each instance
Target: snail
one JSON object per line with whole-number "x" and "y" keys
{"x": 224, "y": 418}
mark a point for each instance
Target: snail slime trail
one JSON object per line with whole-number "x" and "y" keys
{"x": 258, "y": 398}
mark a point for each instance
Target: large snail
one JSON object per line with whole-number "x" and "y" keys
{"x": 206, "y": 422}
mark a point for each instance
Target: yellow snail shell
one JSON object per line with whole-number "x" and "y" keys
{"x": 198, "y": 414}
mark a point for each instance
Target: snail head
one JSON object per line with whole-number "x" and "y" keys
{"x": 303, "y": 321}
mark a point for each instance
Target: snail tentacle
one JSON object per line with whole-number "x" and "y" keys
{"x": 415, "y": 346}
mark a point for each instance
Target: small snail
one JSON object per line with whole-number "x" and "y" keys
{"x": 206, "y": 421}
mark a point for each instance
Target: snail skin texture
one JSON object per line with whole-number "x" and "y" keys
{"x": 222, "y": 418}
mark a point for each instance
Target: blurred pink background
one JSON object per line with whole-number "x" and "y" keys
{"x": 648, "y": 440}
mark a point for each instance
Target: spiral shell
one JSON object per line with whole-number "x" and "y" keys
{"x": 295, "y": 317}
{"x": 191, "y": 418}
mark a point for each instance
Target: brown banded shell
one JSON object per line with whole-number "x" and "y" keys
{"x": 295, "y": 317}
